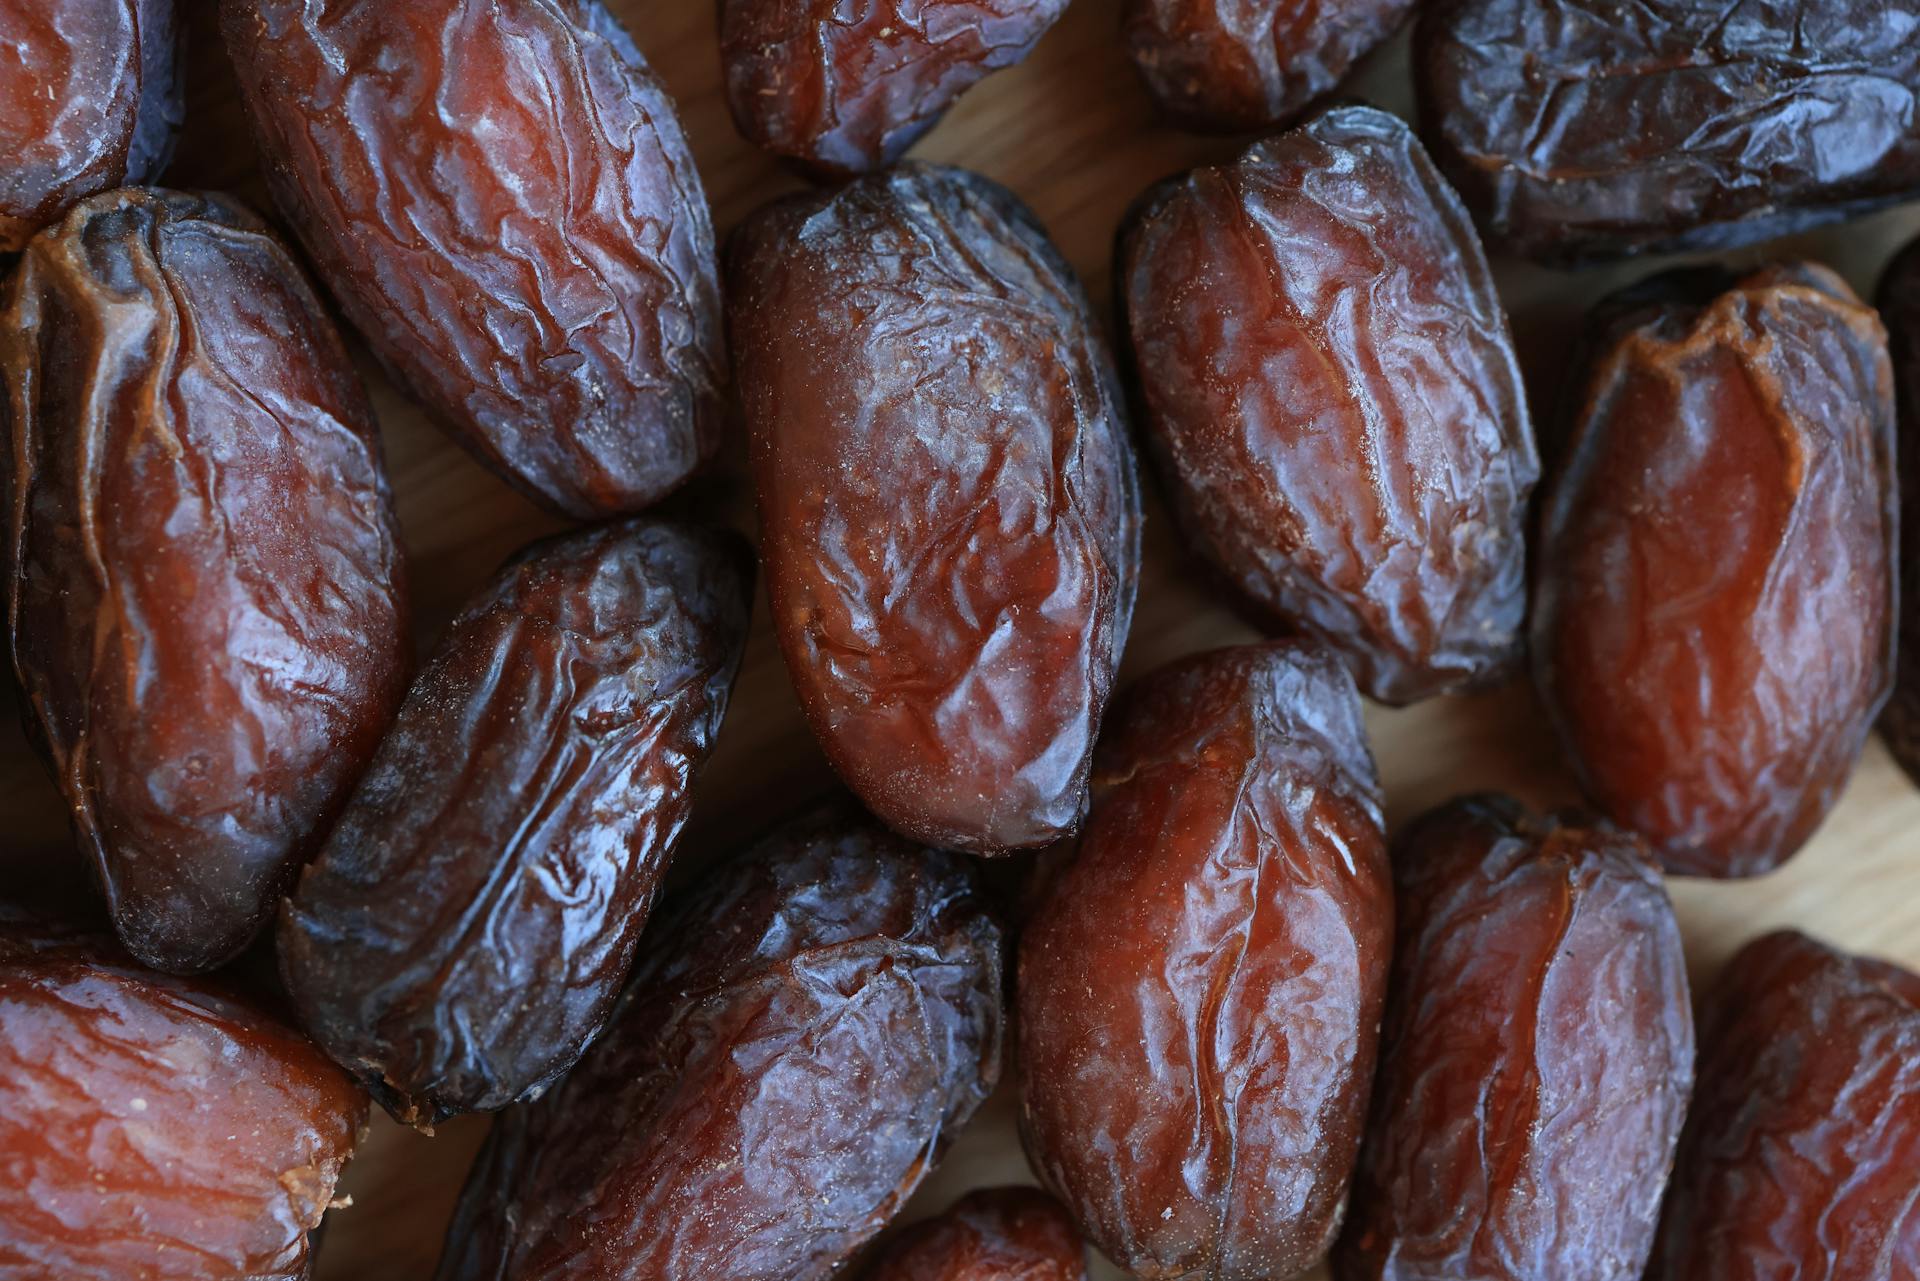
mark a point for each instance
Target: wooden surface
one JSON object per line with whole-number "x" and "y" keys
{"x": 1073, "y": 134}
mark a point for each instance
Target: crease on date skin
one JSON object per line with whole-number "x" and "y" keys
{"x": 1332, "y": 397}
{"x": 561, "y": 314}
{"x": 801, "y": 1035}
{"x": 1536, "y": 1057}
{"x": 118, "y": 1091}
{"x": 949, "y": 515}
{"x": 464, "y": 932}
{"x": 1583, "y": 128}
{"x": 1899, "y": 301}
{"x": 1802, "y": 1150}
{"x": 1201, "y": 988}
{"x": 847, "y": 90}
{"x": 206, "y": 581}
{"x": 1713, "y": 632}
{"x": 990, "y": 1234}
{"x": 90, "y": 99}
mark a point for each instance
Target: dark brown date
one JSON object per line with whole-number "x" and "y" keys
{"x": 1713, "y": 627}
{"x": 1233, "y": 65}
{"x": 1584, "y": 128}
{"x": 1536, "y": 1057}
{"x": 801, "y": 1038}
{"x": 89, "y": 101}
{"x": 844, "y": 91}
{"x": 499, "y": 194}
{"x": 992, "y": 1234}
{"x": 464, "y": 932}
{"x": 1200, "y": 991}
{"x": 1801, "y": 1157}
{"x": 207, "y": 615}
{"x": 1900, "y": 308}
{"x": 1337, "y": 413}
{"x": 154, "y": 1127}
{"x": 949, "y": 516}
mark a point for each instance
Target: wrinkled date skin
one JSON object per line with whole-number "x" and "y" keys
{"x": 1802, "y": 1152}
{"x": 1900, "y": 308}
{"x": 465, "y": 930}
{"x": 89, "y": 101}
{"x": 499, "y": 194}
{"x": 1333, "y": 401}
{"x": 800, "y": 1040}
{"x": 845, "y": 92}
{"x": 155, "y": 1127}
{"x": 1200, "y": 992}
{"x": 949, "y": 516}
{"x": 207, "y": 609}
{"x": 1588, "y": 129}
{"x": 1536, "y": 1057}
{"x": 1713, "y": 630}
{"x": 1232, "y": 65}
{"x": 993, "y": 1234}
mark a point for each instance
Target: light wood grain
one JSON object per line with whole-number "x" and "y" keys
{"x": 1072, "y": 133}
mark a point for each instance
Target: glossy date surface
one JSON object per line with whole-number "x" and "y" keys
{"x": 1536, "y": 1057}
{"x": 1802, "y": 1151}
{"x": 802, "y": 1037}
{"x": 847, "y": 89}
{"x": 1713, "y": 621}
{"x": 1333, "y": 402}
{"x": 949, "y": 516}
{"x": 1587, "y": 128}
{"x": 1200, "y": 991}
{"x": 1251, "y": 64}
{"x": 990, "y": 1234}
{"x": 155, "y": 1127}
{"x": 207, "y": 611}
{"x": 1899, "y": 300}
{"x": 465, "y": 929}
{"x": 501, "y": 198}
{"x": 89, "y": 101}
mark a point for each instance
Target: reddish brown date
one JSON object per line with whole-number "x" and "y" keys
{"x": 154, "y": 1127}
{"x": 1336, "y": 409}
{"x": 844, "y": 91}
{"x": 1713, "y": 629}
{"x": 207, "y": 616}
{"x": 1535, "y": 1061}
{"x": 1900, "y": 308}
{"x": 800, "y": 1040}
{"x": 993, "y": 1234}
{"x": 1200, "y": 992}
{"x": 1802, "y": 1152}
{"x": 1587, "y": 128}
{"x": 89, "y": 101}
{"x": 499, "y": 194}
{"x": 949, "y": 516}
{"x": 465, "y": 930}
{"x": 1233, "y": 65}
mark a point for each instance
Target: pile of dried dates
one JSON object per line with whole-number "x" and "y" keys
{"x": 1255, "y": 1014}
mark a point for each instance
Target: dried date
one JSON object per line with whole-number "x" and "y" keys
{"x": 89, "y": 101}
{"x": 1899, "y": 300}
{"x": 1233, "y": 65}
{"x": 1200, "y": 991}
{"x": 1582, "y": 129}
{"x": 499, "y": 194}
{"x": 155, "y": 1127}
{"x": 1536, "y": 1057}
{"x": 1801, "y": 1156}
{"x": 801, "y": 1038}
{"x": 992, "y": 1234}
{"x": 464, "y": 931}
{"x": 1338, "y": 413}
{"x": 845, "y": 91}
{"x": 1713, "y": 631}
{"x": 949, "y": 515}
{"x": 207, "y": 609}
